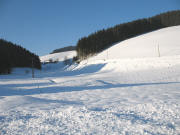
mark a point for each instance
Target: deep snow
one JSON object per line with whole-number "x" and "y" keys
{"x": 101, "y": 95}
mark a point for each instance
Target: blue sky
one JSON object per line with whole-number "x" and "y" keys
{"x": 44, "y": 25}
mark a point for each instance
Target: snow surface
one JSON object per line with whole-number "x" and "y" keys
{"x": 58, "y": 56}
{"x": 99, "y": 96}
{"x": 146, "y": 45}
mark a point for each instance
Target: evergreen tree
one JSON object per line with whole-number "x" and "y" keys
{"x": 12, "y": 55}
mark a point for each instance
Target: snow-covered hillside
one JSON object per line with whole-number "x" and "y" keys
{"x": 116, "y": 93}
{"x": 146, "y": 45}
{"x": 163, "y": 42}
{"x": 58, "y": 56}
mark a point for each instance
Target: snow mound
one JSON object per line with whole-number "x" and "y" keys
{"x": 165, "y": 40}
{"x": 58, "y": 56}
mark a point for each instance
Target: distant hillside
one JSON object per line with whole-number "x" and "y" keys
{"x": 12, "y": 55}
{"x": 64, "y": 49}
{"x": 100, "y": 40}
{"x": 58, "y": 56}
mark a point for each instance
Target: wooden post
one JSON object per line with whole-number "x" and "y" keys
{"x": 32, "y": 68}
{"x": 107, "y": 54}
{"x": 159, "y": 51}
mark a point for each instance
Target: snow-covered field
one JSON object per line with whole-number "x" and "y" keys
{"x": 58, "y": 56}
{"x": 102, "y": 95}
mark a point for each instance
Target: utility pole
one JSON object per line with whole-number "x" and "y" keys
{"x": 32, "y": 68}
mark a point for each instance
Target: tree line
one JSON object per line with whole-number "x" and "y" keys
{"x": 12, "y": 55}
{"x": 102, "y": 39}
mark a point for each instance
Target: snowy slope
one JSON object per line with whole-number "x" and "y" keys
{"x": 58, "y": 56}
{"x": 99, "y": 96}
{"x": 146, "y": 45}
{"x": 139, "y": 96}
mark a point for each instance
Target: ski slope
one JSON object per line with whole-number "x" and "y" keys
{"x": 121, "y": 94}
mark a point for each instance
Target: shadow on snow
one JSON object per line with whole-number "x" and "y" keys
{"x": 88, "y": 69}
{"x": 8, "y": 91}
